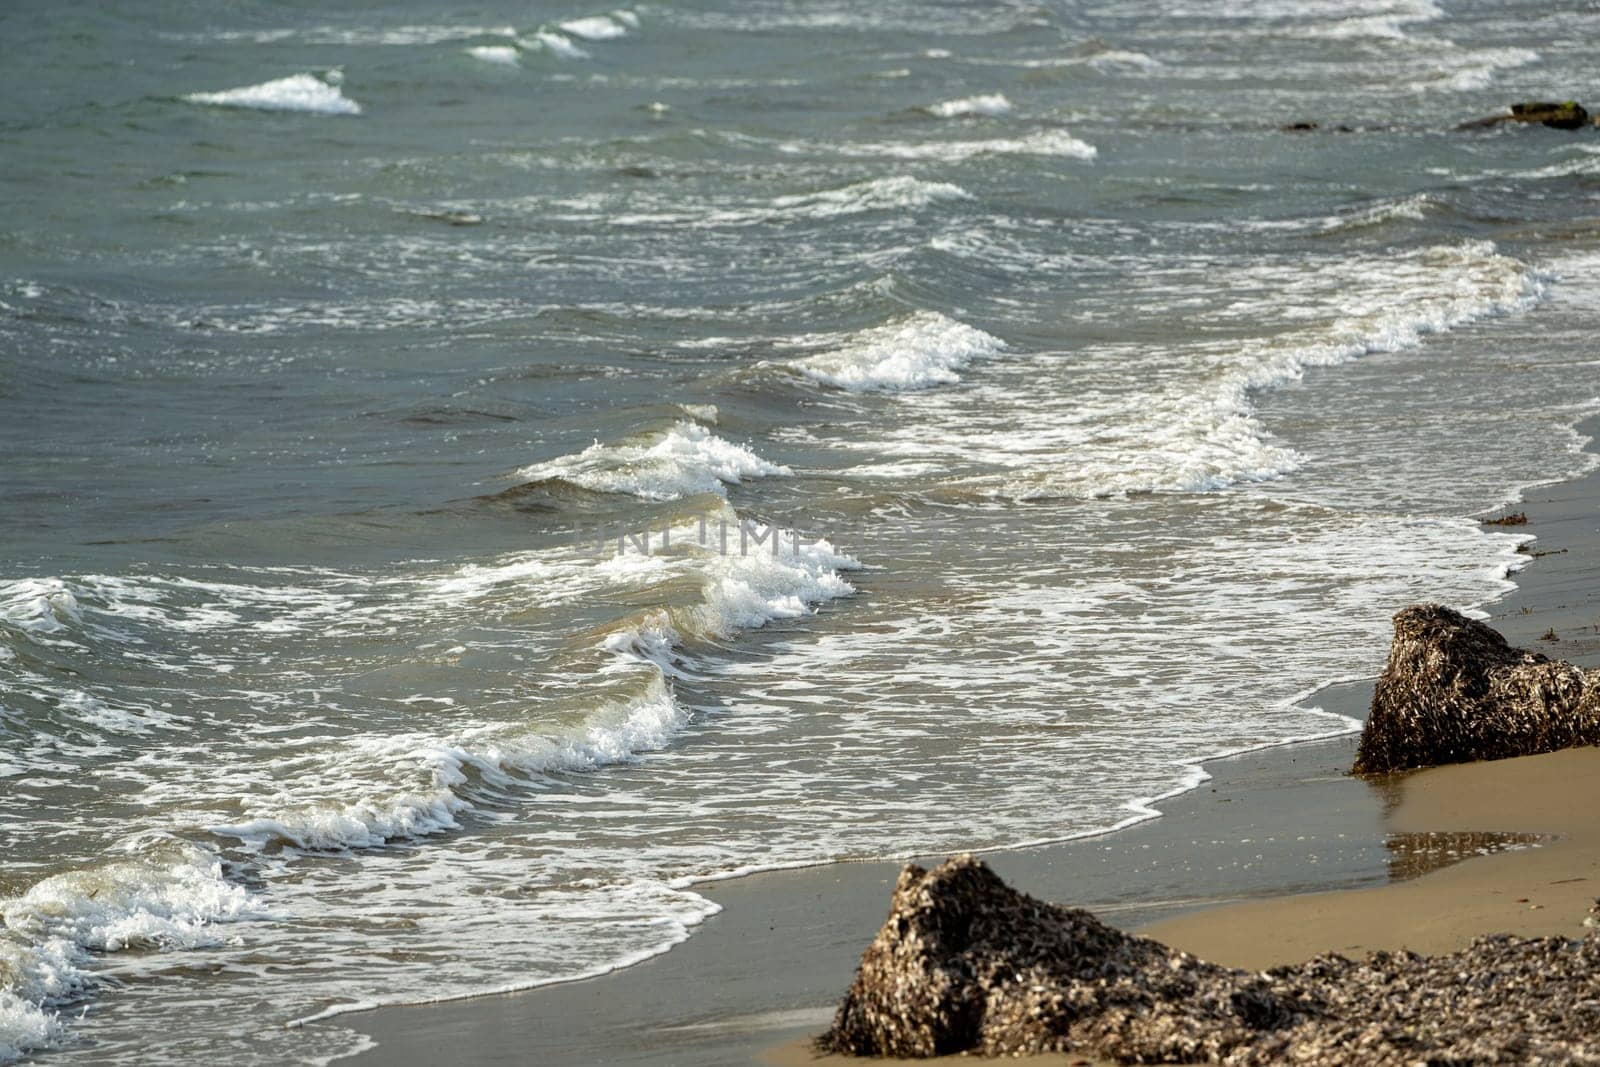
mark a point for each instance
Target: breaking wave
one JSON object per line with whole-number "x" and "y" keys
{"x": 504, "y": 55}
{"x": 924, "y": 350}
{"x": 736, "y": 593}
{"x": 171, "y": 897}
{"x": 555, "y": 43}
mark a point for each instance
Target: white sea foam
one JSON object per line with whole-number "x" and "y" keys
{"x": 920, "y": 351}
{"x": 172, "y": 898}
{"x": 1202, "y": 434}
{"x": 1433, "y": 290}
{"x": 596, "y": 28}
{"x": 298, "y": 92}
{"x": 32, "y": 980}
{"x": 1107, "y": 61}
{"x": 411, "y": 35}
{"x": 1192, "y": 427}
{"x": 1414, "y": 207}
{"x": 371, "y": 821}
{"x": 501, "y": 54}
{"x": 684, "y": 460}
{"x": 1115, "y": 59}
{"x": 1341, "y": 20}
{"x": 746, "y": 592}
{"x": 897, "y": 193}
{"x": 879, "y": 194}
{"x": 984, "y": 104}
{"x": 39, "y": 605}
{"x": 1043, "y": 143}
{"x": 1466, "y": 70}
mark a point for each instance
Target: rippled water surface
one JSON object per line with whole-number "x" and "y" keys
{"x": 1097, "y": 421}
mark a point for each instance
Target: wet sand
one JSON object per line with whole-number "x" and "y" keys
{"x": 1538, "y": 890}
{"x": 1280, "y": 856}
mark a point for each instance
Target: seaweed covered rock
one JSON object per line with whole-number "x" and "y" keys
{"x": 1568, "y": 115}
{"x": 1454, "y": 691}
{"x": 965, "y": 963}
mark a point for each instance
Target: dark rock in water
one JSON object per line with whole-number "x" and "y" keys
{"x": 1454, "y": 690}
{"x": 1563, "y": 116}
{"x": 965, "y": 963}
{"x": 1298, "y": 127}
{"x": 1567, "y": 116}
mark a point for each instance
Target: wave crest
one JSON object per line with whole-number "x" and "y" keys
{"x": 685, "y": 460}
{"x": 982, "y": 104}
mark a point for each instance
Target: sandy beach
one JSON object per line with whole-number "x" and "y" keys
{"x": 1281, "y": 856}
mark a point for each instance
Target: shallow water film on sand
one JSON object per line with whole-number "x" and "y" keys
{"x": 1098, "y": 419}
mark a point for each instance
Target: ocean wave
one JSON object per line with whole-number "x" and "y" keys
{"x": 1467, "y": 70}
{"x": 924, "y": 350}
{"x": 411, "y": 35}
{"x": 114, "y": 608}
{"x": 1121, "y": 59}
{"x": 684, "y": 460}
{"x": 598, "y": 27}
{"x": 297, "y": 92}
{"x": 555, "y": 43}
{"x": 173, "y": 897}
{"x": 879, "y": 194}
{"x": 983, "y": 104}
{"x": 1103, "y": 61}
{"x": 40, "y": 606}
{"x": 336, "y": 794}
{"x": 1414, "y": 208}
{"x": 1339, "y": 20}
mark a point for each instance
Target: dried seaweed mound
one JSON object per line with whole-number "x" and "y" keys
{"x": 965, "y": 963}
{"x": 1454, "y": 691}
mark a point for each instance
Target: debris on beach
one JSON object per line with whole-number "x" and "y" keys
{"x": 1454, "y": 691}
{"x": 1515, "y": 518}
{"x": 966, "y": 964}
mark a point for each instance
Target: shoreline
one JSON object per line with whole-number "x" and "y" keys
{"x": 1271, "y": 812}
